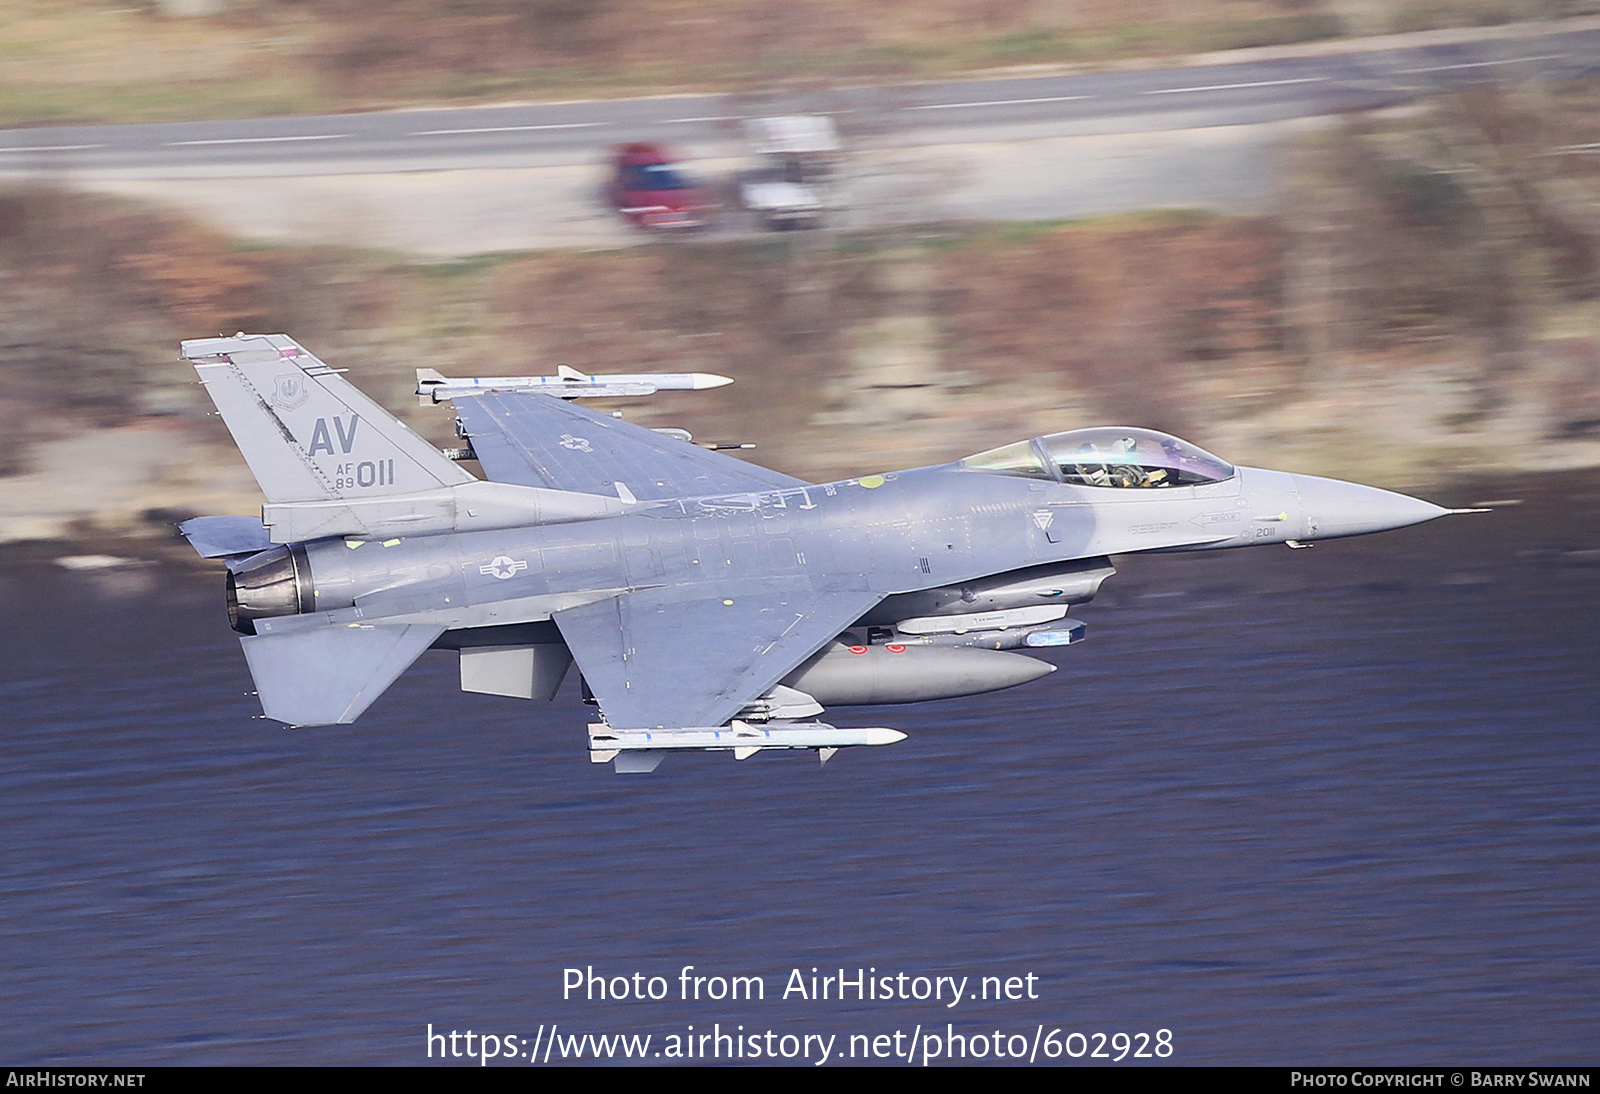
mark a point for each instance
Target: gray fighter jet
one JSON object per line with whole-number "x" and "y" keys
{"x": 709, "y": 603}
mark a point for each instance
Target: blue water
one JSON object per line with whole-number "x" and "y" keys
{"x": 1333, "y": 806}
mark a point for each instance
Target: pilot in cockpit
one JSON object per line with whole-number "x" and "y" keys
{"x": 1121, "y": 469}
{"x": 1106, "y": 457}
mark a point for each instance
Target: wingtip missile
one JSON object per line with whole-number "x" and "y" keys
{"x": 568, "y": 383}
{"x": 629, "y": 747}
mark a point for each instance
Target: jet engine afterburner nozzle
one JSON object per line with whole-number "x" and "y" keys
{"x": 272, "y": 583}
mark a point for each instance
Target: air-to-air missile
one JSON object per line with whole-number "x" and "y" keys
{"x": 567, "y": 383}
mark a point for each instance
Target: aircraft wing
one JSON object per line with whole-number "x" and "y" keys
{"x": 691, "y": 656}
{"x": 537, "y": 440}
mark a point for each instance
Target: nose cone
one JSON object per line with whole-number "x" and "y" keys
{"x": 1335, "y": 508}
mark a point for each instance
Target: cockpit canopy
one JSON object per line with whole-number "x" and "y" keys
{"x": 1107, "y": 456}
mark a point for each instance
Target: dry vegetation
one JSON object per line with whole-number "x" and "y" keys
{"x": 1121, "y": 310}
{"x": 1472, "y": 224}
{"x": 1450, "y": 257}
{"x": 95, "y": 295}
{"x": 1457, "y": 248}
{"x": 131, "y": 60}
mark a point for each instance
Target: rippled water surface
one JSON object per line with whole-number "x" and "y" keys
{"x": 1327, "y": 806}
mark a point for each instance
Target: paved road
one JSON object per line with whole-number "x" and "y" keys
{"x": 552, "y": 134}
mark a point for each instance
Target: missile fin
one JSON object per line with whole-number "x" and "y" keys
{"x": 638, "y": 763}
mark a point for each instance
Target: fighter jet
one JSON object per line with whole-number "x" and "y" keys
{"x": 710, "y": 603}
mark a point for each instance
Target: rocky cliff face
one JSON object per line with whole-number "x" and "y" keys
{"x": 851, "y": 354}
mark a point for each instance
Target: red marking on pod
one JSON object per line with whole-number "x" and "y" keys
{"x": 895, "y": 649}
{"x": 858, "y": 649}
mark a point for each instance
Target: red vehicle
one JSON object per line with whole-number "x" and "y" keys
{"x": 648, "y": 189}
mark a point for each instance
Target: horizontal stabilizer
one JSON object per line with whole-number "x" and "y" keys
{"x": 219, "y": 537}
{"x": 330, "y": 675}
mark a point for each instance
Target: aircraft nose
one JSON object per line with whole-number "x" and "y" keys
{"x": 1334, "y": 508}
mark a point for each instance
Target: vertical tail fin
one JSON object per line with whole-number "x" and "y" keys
{"x": 307, "y": 434}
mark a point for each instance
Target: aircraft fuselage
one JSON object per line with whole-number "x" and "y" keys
{"x": 885, "y": 534}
